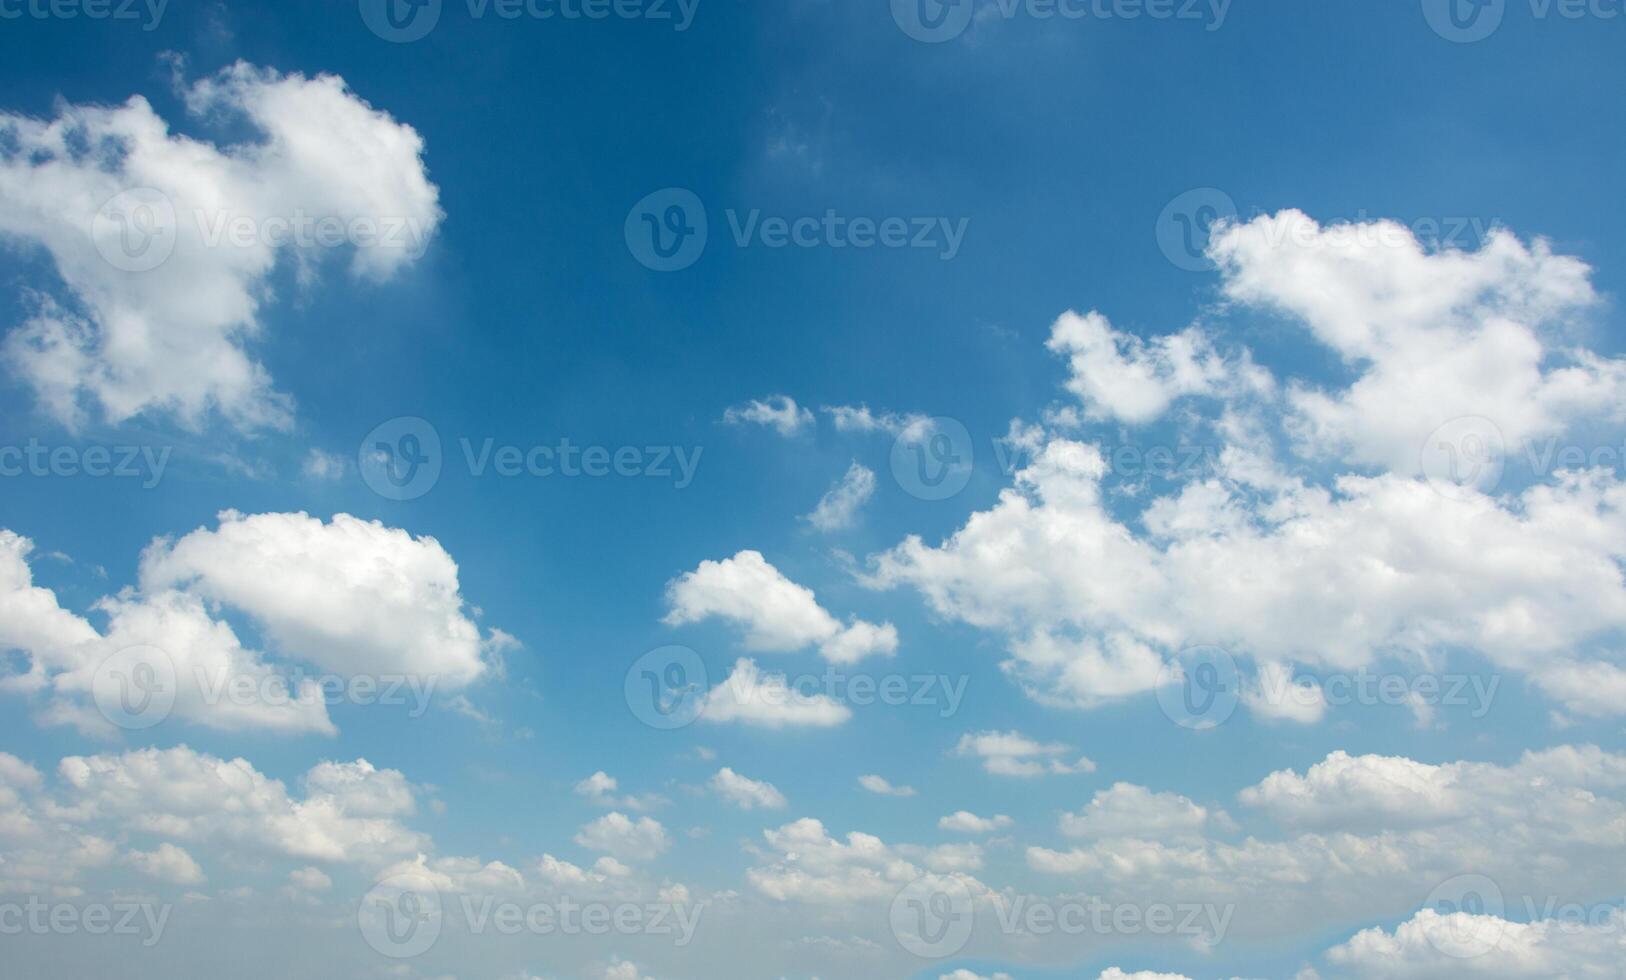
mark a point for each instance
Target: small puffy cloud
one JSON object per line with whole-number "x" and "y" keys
{"x": 1014, "y": 754}
{"x": 777, "y": 614}
{"x": 167, "y": 863}
{"x": 1122, "y": 377}
{"x": 968, "y": 975}
{"x": 322, "y": 465}
{"x": 1126, "y": 810}
{"x": 859, "y": 418}
{"x": 747, "y": 794}
{"x": 1113, "y": 973}
{"x": 838, "y": 508}
{"x": 778, "y": 412}
{"x": 752, "y": 697}
{"x": 619, "y": 835}
{"x": 875, "y": 784}
{"x": 966, "y": 822}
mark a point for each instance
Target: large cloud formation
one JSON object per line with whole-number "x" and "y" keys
{"x": 108, "y": 192}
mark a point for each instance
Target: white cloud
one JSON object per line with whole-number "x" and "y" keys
{"x": 1432, "y": 336}
{"x": 752, "y": 697}
{"x": 1113, "y": 973}
{"x": 1435, "y": 946}
{"x": 966, "y": 822}
{"x": 1366, "y": 838}
{"x": 778, "y": 412}
{"x": 174, "y": 338}
{"x": 968, "y": 975}
{"x": 1119, "y": 376}
{"x": 839, "y": 506}
{"x": 350, "y": 812}
{"x": 858, "y": 418}
{"x": 349, "y": 595}
{"x": 1014, "y": 754}
{"x": 167, "y": 863}
{"x": 777, "y": 614}
{"x": 1126, "y": 810}
{"x": 1313, "y": 542}
{"x": 631, "y": 840}
{"x": 322, "y": 465}
{"x": 747, "y": 794}
{"x": 805, "y": 864}
{"x": 875, "y": 784}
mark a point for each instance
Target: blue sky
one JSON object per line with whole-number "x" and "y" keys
{"x": 1389, "y": 383}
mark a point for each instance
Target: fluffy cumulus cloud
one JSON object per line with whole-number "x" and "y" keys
{"x": 882, "y": 787}
{"x": 777, "y": 614}
{"x": 778, "y": 412}
{"x": 1326, "y": 537}
{"x": 1014, "y": 754}
{"x": 107, "y": 191}
{"x": 838, "y": 508}
{"x": 1364, "y": 838}
{"x": 348, "y": 596}
{"x": 745, "y": 793}
{"x": 1432, "y": 945}
{"x": 804, "y": 864}
{"x": 168, "y": 803}
{"x": 966, "y": 822}
{"x": 621, "y": 836}
{"x": 751, "y": 696}
{"x": 1126, "y": 810}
